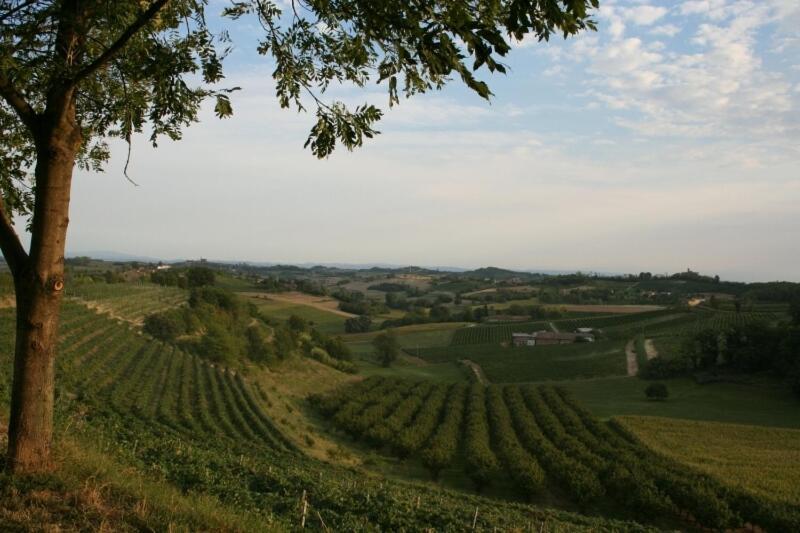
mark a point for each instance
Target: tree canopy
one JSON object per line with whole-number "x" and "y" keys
{"x": 75, "y": 73}
{"x": 138, "y": 65}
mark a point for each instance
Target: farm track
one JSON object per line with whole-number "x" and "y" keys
{"x": 476, "y": 370}
{"x": 630, "y": 356}
{"x": 650, "y": 349}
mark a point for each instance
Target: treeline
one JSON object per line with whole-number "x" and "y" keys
{"x": 184, "y": 278}
{"x": 739, "y": 349}
{"x": 275, "y": 284}
{"x": 221, "y": 327}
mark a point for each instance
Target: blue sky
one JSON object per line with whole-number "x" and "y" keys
{"x": 668, "y": 139}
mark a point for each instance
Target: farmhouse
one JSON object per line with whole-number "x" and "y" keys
{"x": 545, "y": 338}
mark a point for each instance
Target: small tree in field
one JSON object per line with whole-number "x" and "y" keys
{"x": 75, "y": 72}
{"x": 386, "y": 347}
{"x": 656, "y": 391}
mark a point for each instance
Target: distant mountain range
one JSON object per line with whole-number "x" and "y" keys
{"x": 486, "y": 272}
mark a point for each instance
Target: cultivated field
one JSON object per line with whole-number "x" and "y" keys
{"x": 539, "y": 437}
{"x": 504, "y": 364}
{"x": 764, "y": 461}
{"x": 321, "y": 315}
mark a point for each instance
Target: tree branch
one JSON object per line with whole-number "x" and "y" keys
{"x": 15, "y": 254}
{"x": 14, "y": 10}
{"x": 15, "y": 99}
{"x": 120, "y": 43}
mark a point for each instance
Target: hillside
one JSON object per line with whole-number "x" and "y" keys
{"x": 161, "y": 434}
{"x": 198, "y": 444}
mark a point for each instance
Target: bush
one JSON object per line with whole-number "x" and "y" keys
{"x": 358, "y": 324}
{"x": 656, "y": 391}
{"x": 163, "y": 326}
{"x": 662, "y": 368}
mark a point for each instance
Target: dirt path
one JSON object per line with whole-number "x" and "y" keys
{"x": 476, "y": 369}
{"x": 630, "y": 355}
{"x": 104, "y": 309}
{"x": 554, "y": 327}
{"x": 650, "y": 349}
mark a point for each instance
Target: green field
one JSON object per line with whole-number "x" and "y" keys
{"x": 188, "y": 433}
{"x": 539, "y": 440}
{"x": 414, "y": 336}
{"x": 762, "y": 460}
{"x": 324, "y": 321}
{"x": 129, "y": 301}
{"x": 538, "y": 363}
{"x": 763, "y": 402}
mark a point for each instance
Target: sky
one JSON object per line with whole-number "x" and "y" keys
{"x": 668, "y": 139}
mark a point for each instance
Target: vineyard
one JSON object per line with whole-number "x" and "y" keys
{"x": 114, "y": 364}
{"x": 201, "y": 428}
{"x": 494, "y": 334}
{"x": 540, "y": 438}
{"x": 651, "y": 323}
{"x": 504, "y": 364}
{"x": 129, "y": 301}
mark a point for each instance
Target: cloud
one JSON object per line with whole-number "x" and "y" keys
{"x": 713, "y": 9}
{"x": 719, "y": 87}
{"x": 667, "y": 30}
{"x": 644, "y": 15}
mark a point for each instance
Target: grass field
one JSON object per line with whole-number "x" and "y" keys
{"x": 764, "y": 461}
{"x": 414, "y": 336}
{"x": 764, "y": 402}
{"x": 405, "y": 368}
{"x": 540, "y": 363}
{"x": 324, "y": 321}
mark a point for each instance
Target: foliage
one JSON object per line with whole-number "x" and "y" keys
{"x": 656, "y": 391}
{"x": 174, "y": 425}
{"x": 386, "y": 347}
{"x": 357, "y": 324}
{"x": 540, "y": 435}
{"x": 199, "y": 276}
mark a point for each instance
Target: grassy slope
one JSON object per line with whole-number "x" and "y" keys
{"x": 325, "y": 322}
{"x": 93, "y": 491}
{"x": 763, "y": 402}
{"x": 138, "y": 473}
{"x": 765, "y": 461}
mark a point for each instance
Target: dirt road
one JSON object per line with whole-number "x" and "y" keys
{"x": 476, "y": 369}
{"x": 630, "y": 354}
{"x": 650, "y": 349}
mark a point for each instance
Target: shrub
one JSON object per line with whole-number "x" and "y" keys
{"x": 656, "y": 391}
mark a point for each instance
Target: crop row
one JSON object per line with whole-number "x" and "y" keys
{"x": 254, "y": 478}
{"x": 495, "y": 334}
{"x": 157, "y": 382}
{"x": 537, "y": 437}
{"x": 130, "y": 301}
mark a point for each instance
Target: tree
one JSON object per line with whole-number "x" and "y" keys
{"x": 794, "y": 310}
{"x": 386, "y": 347}
{"x": 357, "y": 324}
{"x": 199, "y": 276}
{"x": 74, "y": 73}
{"x": 656, "y": 391}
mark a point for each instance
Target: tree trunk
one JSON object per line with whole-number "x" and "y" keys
{"x": 39, "y": 285}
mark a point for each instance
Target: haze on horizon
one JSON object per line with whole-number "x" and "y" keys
{"x": 668, "y": 139}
